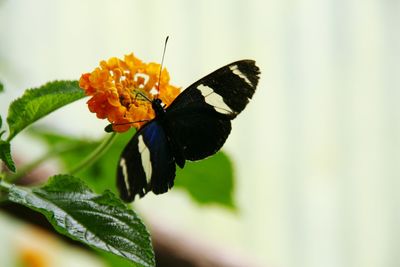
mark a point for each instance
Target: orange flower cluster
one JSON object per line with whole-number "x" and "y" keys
{"x": 121, "y": 90}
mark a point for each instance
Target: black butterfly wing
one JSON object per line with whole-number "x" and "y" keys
{"x": 197, "y": 133}
{"x": 199, "y": 118}
{"x": 194, "y": 126}
{"x": 146, "y": 164}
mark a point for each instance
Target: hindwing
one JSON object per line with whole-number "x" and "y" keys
{"x": 146, "y": 164}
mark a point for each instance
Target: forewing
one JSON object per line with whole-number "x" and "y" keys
{"x": 146, "y": 164}
{"x": 227, "y": 90}
{"x": 199, "y": 118}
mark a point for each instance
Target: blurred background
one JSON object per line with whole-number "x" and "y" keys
{"x": 317, "y": 151}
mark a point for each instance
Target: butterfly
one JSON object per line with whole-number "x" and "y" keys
{"x": 194, "y": 126}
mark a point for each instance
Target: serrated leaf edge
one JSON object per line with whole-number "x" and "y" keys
{"x": 105, "y": 244}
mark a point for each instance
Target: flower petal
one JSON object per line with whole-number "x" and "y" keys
{"x": 121, "y": 90}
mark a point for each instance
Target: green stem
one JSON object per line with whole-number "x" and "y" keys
{"x": 4, "y": 189}
{"x": 33, "y": 165}
{"x": 9, "y": 138}
{"x": 92, "y": 157}
{"x": 5, "y": 185}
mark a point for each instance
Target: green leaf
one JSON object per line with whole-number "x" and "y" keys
{"x": 1, "y": 87}
{"x": 1, "y": 125}
{"x": 113, "y": 261}
{"x": 5, "y": 155}
{"x": 100, "y": 221}
{"x": 38, "y": 102}
{"x": 102, "y": 174}
{"x": 208, "y": 181}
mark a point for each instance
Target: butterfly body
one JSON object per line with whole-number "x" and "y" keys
{"x": 193, "y": 127}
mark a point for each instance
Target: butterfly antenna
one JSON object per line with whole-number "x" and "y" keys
{"x": 144, "y": 96}
{"x": 161, "y": 66}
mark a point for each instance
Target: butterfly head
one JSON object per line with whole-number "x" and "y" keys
{"x": 158, "y": 107}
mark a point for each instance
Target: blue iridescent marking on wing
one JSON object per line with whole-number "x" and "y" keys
{"x": 147, "y": 163}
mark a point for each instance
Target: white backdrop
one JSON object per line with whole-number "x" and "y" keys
{"x": 317, "y": 151}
